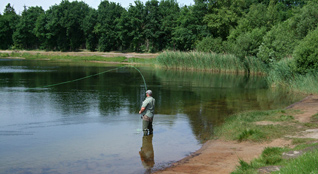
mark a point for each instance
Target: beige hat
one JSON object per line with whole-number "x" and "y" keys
{"x": 149, "y": 92}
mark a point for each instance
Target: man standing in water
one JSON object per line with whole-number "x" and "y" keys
{"x": 147, "y": 110}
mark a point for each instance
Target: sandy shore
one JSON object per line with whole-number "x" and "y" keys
{"x": 219, "y": 156}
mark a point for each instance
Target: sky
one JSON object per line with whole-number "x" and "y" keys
{"x": 18, "y": 4}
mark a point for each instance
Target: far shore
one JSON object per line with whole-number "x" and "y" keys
{"x": 222, "y": 156}
{"x": 86, "y": 53}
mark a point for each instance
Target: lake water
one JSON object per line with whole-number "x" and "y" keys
{"x": 93, "y": 126}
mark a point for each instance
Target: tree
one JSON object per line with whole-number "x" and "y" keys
{"x": 137, "y": 22}
{"x": 306, "y": 53}
{"x": 24, "y": 36}
{"x": 124, "y": 28}
{"x": 282, "y": 39}
{"x": 152, "y": 26}
{"x": 8, "y": 23}
{"x": 89, "y": 24}
{"x": 169, "y": 13}
{"x": 255, "y": 18}
{"x": 190, "y": 26}
{"x": 61, "y": 26}
{"x": 222, "y": 17}
{"x": 106, "y": 28}
{"x": 277, "y": 43}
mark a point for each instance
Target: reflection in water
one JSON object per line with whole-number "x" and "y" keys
{"x": 146, "y": 153}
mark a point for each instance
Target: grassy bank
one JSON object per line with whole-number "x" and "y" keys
{"x": 114, "y": 57}
{"x": 273, "y": 156}
{"x": 247, "y": 126}
{"x": 261, "y": 126}
{"x": 60, "y": 57}
{"x": 210, "y": 62}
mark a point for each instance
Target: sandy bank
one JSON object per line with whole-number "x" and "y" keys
{"x": 219, "y": 156}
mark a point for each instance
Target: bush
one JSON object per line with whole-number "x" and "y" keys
{"x": 305, "y": 20}
{"x": 210, "y": 44}
{"x": 247, "y": 44}
{"x": 278, "y": 43}
{"x": 306, "y": 53}
{"x": 282, "y": 39}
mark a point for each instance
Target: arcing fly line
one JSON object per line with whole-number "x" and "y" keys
{"x": 143, "y": 78}
{"x": 86, "y": 77}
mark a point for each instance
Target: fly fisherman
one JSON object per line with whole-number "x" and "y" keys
{"x": 147, "y": 111}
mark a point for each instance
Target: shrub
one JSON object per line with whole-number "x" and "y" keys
{"x": 306, "y": 53}
{"x": 278, "y": 43}
{"x": 247, "y": 44}
{"x": 210, "y": 44}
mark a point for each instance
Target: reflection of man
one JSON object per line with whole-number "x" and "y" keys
{"x": 146, "y": 153}
{"x": 147, "y": 110}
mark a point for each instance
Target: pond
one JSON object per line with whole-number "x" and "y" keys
{"x": 93, "y": 126}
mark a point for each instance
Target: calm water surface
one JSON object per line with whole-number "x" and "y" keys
{"x": 92, "y": 126}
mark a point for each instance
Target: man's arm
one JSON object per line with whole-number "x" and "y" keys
{"x": 142, "y": 110}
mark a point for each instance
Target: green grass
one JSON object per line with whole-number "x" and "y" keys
{"x": 142, "y": 60}
{"x": 298, "y": 141}
{"x": 314, "y": 118}
{"x": 270, "y": 156}
{"x": 253, "y": 134}
{"x": 305, "y": 164}
{"x": 283, "y": 75}
{"x": 210, "y": 62}
{"x": 243, "y": 127}
{"x": 63, "y": 57}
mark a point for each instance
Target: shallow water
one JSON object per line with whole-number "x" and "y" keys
{"x": 93, "y": 125}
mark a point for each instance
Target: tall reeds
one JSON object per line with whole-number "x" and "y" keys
{"x": 210, "y": 62}
{"x": 283, "y": 75}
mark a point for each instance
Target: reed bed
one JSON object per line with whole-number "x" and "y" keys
{"x": 209, "y": 62}
{"x": 283, "y": 75}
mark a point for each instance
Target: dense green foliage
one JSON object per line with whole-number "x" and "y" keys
{"x": 269, "y": 30}
{"x": 8, "y": 22}
{"x": 306, "y": 53}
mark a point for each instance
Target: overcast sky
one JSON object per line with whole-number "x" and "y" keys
{"x": 18, "y": 4}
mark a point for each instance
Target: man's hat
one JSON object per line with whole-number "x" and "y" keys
{"x": 149, "y": 92}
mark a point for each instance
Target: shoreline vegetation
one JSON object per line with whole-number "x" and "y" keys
{"x": 201, "y": 61}
{"x": 281, "y": 74}
{"x": 257, "y": 127}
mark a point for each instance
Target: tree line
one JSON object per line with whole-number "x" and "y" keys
{"x": 268, "y": 29}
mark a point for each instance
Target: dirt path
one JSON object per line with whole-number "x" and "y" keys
{"x": 218, "y": 156}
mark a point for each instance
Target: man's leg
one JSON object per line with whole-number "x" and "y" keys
{"x": 150, "y": 127}
{"x": 145, "y": 125}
